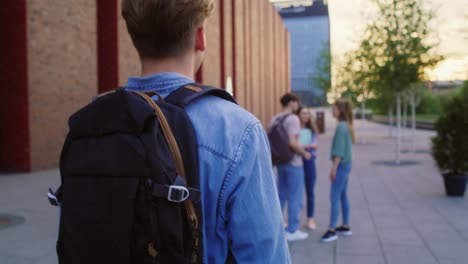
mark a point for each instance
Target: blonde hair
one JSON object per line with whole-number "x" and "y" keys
{"x": 311, "y": 122}
{"x": 164, "y": 28}
{"x": 345, "y": 109}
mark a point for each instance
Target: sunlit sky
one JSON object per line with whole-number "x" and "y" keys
{"x": 349, "y": 17}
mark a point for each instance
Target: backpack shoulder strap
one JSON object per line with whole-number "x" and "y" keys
{"x": 283, "y": 118}
{"x": 280, "y": 120}
{"x": 190, "y": 92}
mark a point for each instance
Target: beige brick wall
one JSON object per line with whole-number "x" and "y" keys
{"x": 62, "y": 71}
{"x": 212, "y": 62}
{"x": 129, "y": 62}
{"x": 240, "y": 60}
{"x": 62, "y": 63}
{"x": 261, "y": 57}
{"x": 228, "y": 42}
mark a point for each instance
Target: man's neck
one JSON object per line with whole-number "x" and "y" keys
{"x": 287, "y": 110}
{"x": 183, "y": 65}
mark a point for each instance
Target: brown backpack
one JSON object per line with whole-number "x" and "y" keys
{"x": 278, "y": 136}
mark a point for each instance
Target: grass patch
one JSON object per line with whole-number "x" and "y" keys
{"x": 421, "y": 118}
{"x": 427, "y": 118}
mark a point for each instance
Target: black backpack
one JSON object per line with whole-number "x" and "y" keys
{"x": 130, "y": 185}
{"x": 278, "y": 136}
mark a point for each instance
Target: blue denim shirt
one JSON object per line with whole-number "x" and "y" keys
{"x": 240, "y": 202}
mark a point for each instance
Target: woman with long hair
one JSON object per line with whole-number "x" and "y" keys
{"x": 341, "y": 157}
{"x": 308, "y": 140}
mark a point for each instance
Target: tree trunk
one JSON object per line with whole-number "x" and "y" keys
{"x": 413, "y": 121}
{"x": 363, "y": 117}
{"x": 390, "y": 121}
{"x": 398, "y": 125}
{"x": 405, "y": 117}
{"x": 363, "y": 109}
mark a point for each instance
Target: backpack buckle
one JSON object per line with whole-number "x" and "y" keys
{"x": 53, "y": 197}
{"x": 177, "y": 193}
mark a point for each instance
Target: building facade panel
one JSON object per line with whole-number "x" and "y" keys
{"x": 281, "y": 58}
{"x": 261, "y": 66}
{"x": 275, "y": 85}
{"x": 107, "y": 45}
{"x": 248, "y": 55}
{"x": 239, "y": 78}
{"x": 256, "y": 77}
{"x": 227, "y": 42}
{"x": 286, "y": 58}
{"x": 211, "y": 70}
{"x": 310, "y": 37}
{"x": 309, "y": 29}
{"x": 268, "y": 70}
{"x": 287, "y": 69}
{"x": 14, "y": 103}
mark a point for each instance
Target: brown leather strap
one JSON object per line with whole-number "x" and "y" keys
{"x": 168, "y": 135}
{"x": 175, "y": 152}
{"x": 104, "y": 93}
{"x": 151, "y": 251}
{"x": 177, "y": 157}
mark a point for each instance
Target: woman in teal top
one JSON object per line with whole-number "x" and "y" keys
{"x": 341, "y": 157}
{"x": 308, "y": 140}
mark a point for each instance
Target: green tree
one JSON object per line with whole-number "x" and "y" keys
{"x": 322, "y": 77}
{"x": 358, "y": 76}
{"x": 395, "y": 49}
{"x": 394, "y": 52}
{"x": 399, "y": 40}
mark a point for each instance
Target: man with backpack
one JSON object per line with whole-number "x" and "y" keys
{"x": 167, "y": 170}
{"x": 287, "y": 154}
{"x": 242, "y": 222}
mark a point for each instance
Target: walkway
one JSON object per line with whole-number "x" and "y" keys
{"x": 399, "y": 214}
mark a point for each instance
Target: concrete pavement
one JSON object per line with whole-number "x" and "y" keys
{"x": 399, "y": 214}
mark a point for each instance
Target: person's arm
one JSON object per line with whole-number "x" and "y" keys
{"x": 336, "y": 162}
{"x": 338, "y": 149}
{"x": 252, "y": 211}
{"x": 293, "y": 126}
{"x": 314, "y": 144}
{"x": 297, "y": 148}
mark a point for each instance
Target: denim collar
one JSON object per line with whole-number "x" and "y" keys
{"x": 163, "y": 83}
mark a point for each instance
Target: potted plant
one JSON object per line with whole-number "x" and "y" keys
{"x": 450, "y": 145}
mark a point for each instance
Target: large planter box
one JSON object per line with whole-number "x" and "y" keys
{"x": 455, "y": 185}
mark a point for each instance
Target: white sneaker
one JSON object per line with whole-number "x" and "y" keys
{"x": 298, "y": 235}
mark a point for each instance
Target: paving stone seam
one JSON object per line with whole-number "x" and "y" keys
{"x": 444, "y": 216}
{"x": 449, "y": 223}
{"x": 373, "y": 219}
{"x": 413, "y": 225}
{"x": 335, "y": 252}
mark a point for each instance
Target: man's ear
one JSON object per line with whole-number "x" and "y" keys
{"x": 200, "y": 39}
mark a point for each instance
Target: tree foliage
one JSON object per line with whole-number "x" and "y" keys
{"x": 394, "y": 51}
{"x": 449, "y": 146}
{"x": 322, "y": 78}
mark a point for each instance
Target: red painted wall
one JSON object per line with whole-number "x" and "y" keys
{"x": 14, "y": 108}
{"x": 107, "y": 44}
